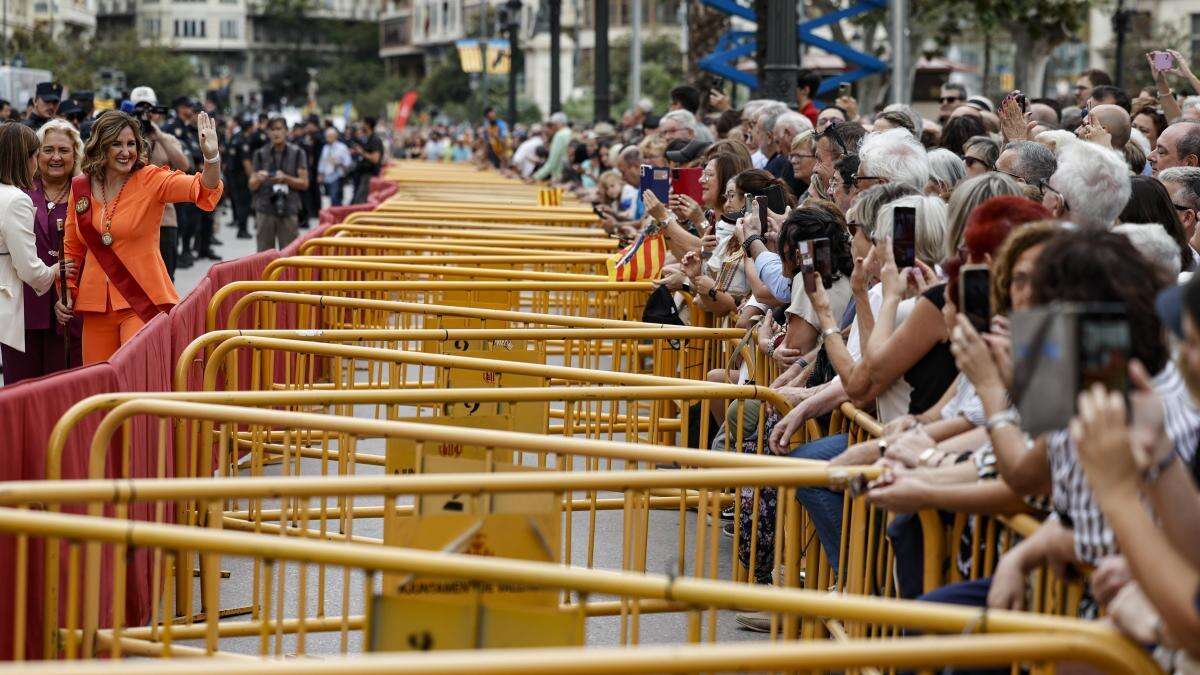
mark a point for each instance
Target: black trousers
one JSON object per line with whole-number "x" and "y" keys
{"x": 239, "y": 201}
{"x": 168, "y": 247}
{"x": 185, "y": 215}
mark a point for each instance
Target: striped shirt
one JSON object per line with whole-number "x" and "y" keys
{"x": 1072, "y": 497}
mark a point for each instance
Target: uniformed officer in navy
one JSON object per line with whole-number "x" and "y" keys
{"x": 45, "y": 104}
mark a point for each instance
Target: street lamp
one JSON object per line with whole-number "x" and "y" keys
{"x": 512, "y": 21}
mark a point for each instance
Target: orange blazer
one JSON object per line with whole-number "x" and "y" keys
{"x": 135, "y": 225}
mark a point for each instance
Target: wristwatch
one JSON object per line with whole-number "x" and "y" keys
{"x": 926, "y": 455}
{"x": 883, "y": 446}
{"x": 712, "y": 294}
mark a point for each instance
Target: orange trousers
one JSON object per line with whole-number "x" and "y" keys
{"x": 104, "y": 332}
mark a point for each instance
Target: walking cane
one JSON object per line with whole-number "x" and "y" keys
{"x": 66, "y": 295}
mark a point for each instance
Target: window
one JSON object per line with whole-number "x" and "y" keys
{"x": 151, "y": 28}
{"x": 231, "y": 28}
{"x": 189, "y": 28}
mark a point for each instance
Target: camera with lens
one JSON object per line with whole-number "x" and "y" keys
{"x": 279, "y": 198}
{"x": 143, "y": 111}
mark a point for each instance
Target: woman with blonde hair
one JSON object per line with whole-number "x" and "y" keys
{"x": 59, "y": 155}
{"x": 27, "y": 270}
{"x": 113, "y": 217}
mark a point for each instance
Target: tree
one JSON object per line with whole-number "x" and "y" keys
{"x": 705, "y": 27}
{"x": 170, "y": 73}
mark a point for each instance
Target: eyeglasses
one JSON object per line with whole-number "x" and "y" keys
{"x": 1181, "y": 207}
{"x": 1019, "y": 179}
{"x": 855, "y": 178}
{"x": 797, "y": 156}
{"x": 1045, "y": 187}
{"x": 971, "y": 161}
{"x": 852, "y": 227}
{"x": 950, "y": 99}
{"x": 831, "y": 131}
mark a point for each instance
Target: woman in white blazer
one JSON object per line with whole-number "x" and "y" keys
{"x": 19, "y": 261}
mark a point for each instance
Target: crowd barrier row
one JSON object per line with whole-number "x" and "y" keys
{"x": 434, "y": 424}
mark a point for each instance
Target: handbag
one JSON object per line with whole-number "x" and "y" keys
{"x": 660, "y": 308}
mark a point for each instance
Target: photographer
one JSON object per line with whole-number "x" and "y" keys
{"x": 280, "y": 176}
{"x": 162, "y": 150}
{"x": 367, "y": 150}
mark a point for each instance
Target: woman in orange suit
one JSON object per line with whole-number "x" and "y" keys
{"x": 112, "y": 226}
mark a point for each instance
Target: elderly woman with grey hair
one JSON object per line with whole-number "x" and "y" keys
{"x": 946, "y": 171}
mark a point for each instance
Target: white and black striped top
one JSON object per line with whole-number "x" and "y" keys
{"x": 1072, "y": 497}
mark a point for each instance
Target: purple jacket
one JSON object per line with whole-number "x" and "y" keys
{"x": 39, "y": 310}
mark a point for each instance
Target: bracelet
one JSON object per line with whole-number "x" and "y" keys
{"x": 750, "y": 240}
{"x": 1003, "y": 418}
{"x": 215, "y": 160}
{"x": 1152, "y": 474}
{"x": 1170, "y": 92}
{"x": 829, "y": 331}
{"x": 883, "y": 446}
{"x": 926, "y": 455}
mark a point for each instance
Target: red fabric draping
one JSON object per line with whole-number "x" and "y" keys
{"x": 29, "y": 410}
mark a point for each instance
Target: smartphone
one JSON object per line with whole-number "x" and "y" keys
{"x": 1103, "y": 335}
{"x": 844, "y": 89}
{"x": 1060, "y": 349}
{"x": 823, "y": 259}
{"x": 974, "y": 296}
{"x": 775, "y": 200}
{"x": 687, "y": 182}
{"x": 1162, "y": 61}
{"x": 807, "y": 266}
{"x": 1022, "y": 100}
{"x": 904, "y": 236}
{"x": 761, "y": 202}
{"x": 656, "y": 179}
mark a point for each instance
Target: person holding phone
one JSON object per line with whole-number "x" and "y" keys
{"x": 280, "y": 176}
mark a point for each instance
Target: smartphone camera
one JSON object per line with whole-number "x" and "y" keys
{"x": 807, "y": 266}
{"x": 904, "y": 236}
{"x": 823, "y": 260}
{"x": 1163, "y": 61}
{"x": 974, "y": 296}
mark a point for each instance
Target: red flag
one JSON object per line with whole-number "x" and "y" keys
{"x": 405, "y": 109}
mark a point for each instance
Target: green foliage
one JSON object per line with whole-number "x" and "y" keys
{"x": 1040, "y": 21}
{"x": 445, "y": 82}
{"x": 169, "y": 73}
{"x": 662, "y": 69}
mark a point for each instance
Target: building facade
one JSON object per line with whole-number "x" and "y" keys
{"x": 415, "y": 32}
{"x": 235, "y": 45}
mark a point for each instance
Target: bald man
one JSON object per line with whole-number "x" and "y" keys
{"x": 966, "y": 110}
{"x": 1043, "y": 114}
{"x": 1115, "y": 121}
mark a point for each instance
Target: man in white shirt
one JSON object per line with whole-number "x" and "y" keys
{"x": 524, "y": 160}
{"x": 335, "y": 163}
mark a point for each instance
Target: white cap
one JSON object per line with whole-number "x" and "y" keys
{"x": 143, "y": 95}
{"x": 559, "y": 118}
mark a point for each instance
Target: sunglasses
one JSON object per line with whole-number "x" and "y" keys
{"x": 852, "y": 228}
{"x": 949, "y": 99}
{"x": 801, "y": 155}
{"x": 1181, "y": 207}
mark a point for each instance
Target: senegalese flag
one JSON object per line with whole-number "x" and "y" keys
{"x": 640, "y": 261}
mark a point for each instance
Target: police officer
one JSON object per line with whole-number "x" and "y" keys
{"x": 236, "y": 178}
{"x": 195, "y": 226}
{"x": 45, "y": 104}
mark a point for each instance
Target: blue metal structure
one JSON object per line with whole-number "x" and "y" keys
{"x": 736, "y": 44}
